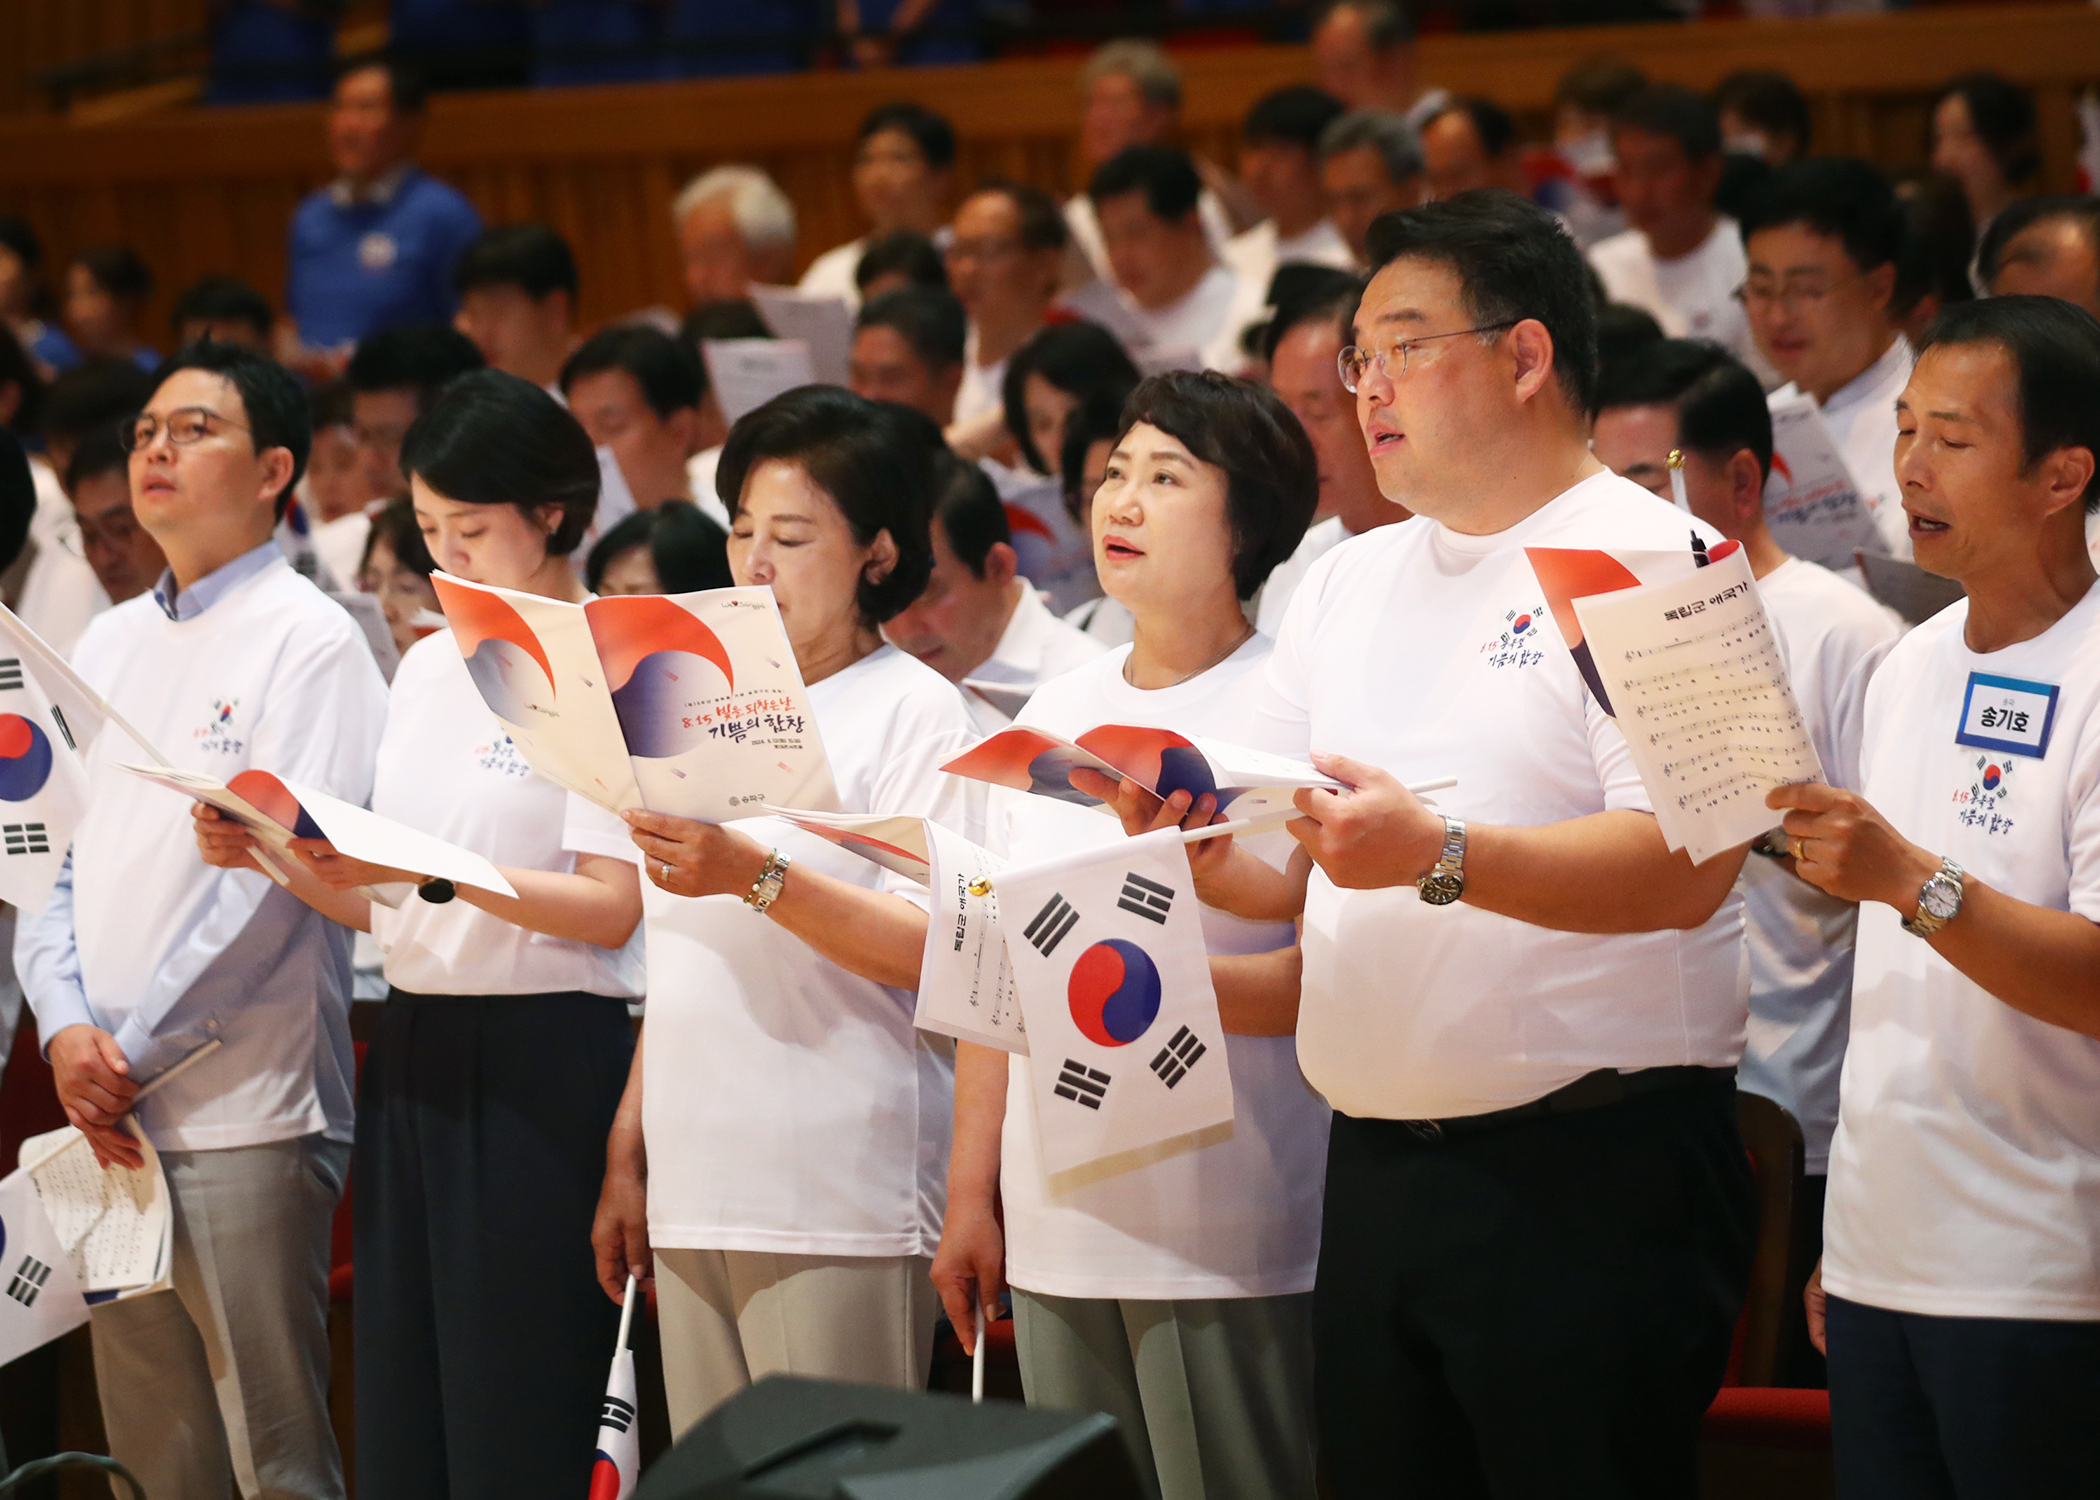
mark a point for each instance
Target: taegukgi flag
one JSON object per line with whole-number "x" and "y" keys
{"x": 40, "y": 1296}
{"x": 43, "y": 780}
{"x": 619, "y": 1459}
{"x": 1125, "y": 1047}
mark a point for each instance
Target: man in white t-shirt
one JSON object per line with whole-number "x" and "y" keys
{"x": 144, "y": 956}
{"x": 1523, "y": 1007}
{"x": 903, "y": 178}
{"x": 392, "y": 376}
{"x": 1174, "y": 293}
{"x": 1682, "y": 260}
{"x": 1960, "y": 1279}
{"x": 517, "y": 291}
{"x": 1304, "y": 343}
{"x": 1280, "y": 164}
{"x": 908, "y": 349}
{"x": 977, "y": 617}
{"x": 641, "y": 395}
{"x": 1364, "y": 51}
{"x": 1004, "y": 262}
{"x": 1468, "y": 144}
{"x": 1703, "y": 402}
{"x": 1370, "y": 164}
{"x": 1822, "y": 238}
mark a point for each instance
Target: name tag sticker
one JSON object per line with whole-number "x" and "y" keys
{"x": 2007, "y": 715}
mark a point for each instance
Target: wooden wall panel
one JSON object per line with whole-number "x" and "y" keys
{"x": 199, "y": 190}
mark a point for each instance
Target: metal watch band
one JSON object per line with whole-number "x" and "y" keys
{"x": 1446, "y": 881}
{"x": 766, "y": 889}
{"x": 1924, "y": 922}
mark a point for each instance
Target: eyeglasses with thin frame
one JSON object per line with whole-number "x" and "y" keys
{"x": 184, "y": 425}
{"x": 1352, "y": 362}
{"x": 1757, "y": 296}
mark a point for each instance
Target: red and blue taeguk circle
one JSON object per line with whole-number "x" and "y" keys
{"x": 1991, "y": 777}
{"x": 1114, "y": 992}
{"x": 1523, "y": 623}
{"x": 25, "y": 758}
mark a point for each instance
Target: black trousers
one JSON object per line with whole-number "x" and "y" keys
{"x": 1543, "y": 1309}
{"x": 1925, "y": 1408}
{"x": 483, "y": 1340}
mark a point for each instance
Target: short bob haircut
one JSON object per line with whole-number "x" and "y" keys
{"x": 488, "y": 438}
{"x": 2055, "y": 350}
{"x": 271, "y": 399}
{"x": 1272, "y": 479}
{"x": 875, "y": 461}
{"x": 1079, "y": 358}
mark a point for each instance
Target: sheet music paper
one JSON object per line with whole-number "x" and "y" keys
{"x": 1702, "y": 697}
{"x": 114, "y": 1223}
{"x": 1812, "y": 503}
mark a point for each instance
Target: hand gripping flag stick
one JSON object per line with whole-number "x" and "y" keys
{"x": 1259, "y": 824}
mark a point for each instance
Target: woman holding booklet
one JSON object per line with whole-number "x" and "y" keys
{"x": 778, "y": 1152}
{"x": 504, "y": 1042}
{"x": 1174, "y": 1293}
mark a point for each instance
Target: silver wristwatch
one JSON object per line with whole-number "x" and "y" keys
{"x": 766, "y": 889}
{"x": 1446, "y": 881}
{"x": 1938, "y": 902}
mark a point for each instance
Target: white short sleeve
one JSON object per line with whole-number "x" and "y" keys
{"x": 587, "y": 828}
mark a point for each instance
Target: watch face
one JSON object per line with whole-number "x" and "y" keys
{"x": 1440, "y": 888}
{"x": 1942, "y": 898}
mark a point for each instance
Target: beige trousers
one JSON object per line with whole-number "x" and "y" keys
{"x": 730, "y": 1317}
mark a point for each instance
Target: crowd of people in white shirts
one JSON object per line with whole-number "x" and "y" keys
{"x": 1254, "y": 457}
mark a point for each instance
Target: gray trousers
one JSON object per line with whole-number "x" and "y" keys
{"x": 1214, "y": 1396}
{"x": 223, "y": 1381}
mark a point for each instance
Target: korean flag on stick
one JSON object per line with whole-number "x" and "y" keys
{"x": 43, "y": 779}
{"x": 619, "y": 1460}
{"x": 40, "y": 1297}
{"x": 1125, "y": 1047}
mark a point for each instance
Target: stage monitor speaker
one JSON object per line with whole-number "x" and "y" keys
{"x": 788, "y": 1438}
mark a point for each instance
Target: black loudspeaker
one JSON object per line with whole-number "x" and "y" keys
{"x": 788, "y": 1438}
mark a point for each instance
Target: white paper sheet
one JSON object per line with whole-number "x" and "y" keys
{"x": 824, "y": 325}
{"x": 1812, "y": 503}
{"x": 966, "y": 983}
{"x": 1700, "y": 691}
{"x": 747, "y": 373}
{"x": 114, "y": 1223}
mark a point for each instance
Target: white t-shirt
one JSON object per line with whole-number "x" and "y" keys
{"x": 1321, "y": 538}
{"x": 340, "y": 545}
{"x": 1965, "y": 1181}
{"x": 983, "y": 388}
{"x": 1430, "y": 653}
{"x": 1693, "y": 296}
{"x": 788, "y": 1105}
{"x": 831, "y": 274}
{"x": 447, "y": 767}
{"x": 1253, "y": 257}
{"x": 274, "y": 677}
{"x": 1861, "y": 415}
{"x": 1035, "y": 647}
{"x": 1192, "y": 326}
{"x": 1799, "y": 939}
{"x": 1085, "y": 225}
{"x": 700, "y": 484}
{"x": 60, "y": 592}
{"x": 1236, "y": 1218}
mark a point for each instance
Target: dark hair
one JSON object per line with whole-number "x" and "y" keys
{"x": 930, "y": 132}
{"x": 1078, "y": 358}
{"x": 1491, "y": 122}
{"x": 1096, "y": 419}
{"x": 1685, "y": 115}
{"x": 2002, "y": 114}
{"x": 1768, "y": 100}
{"x": 1742, "y": 176}
{"x": 420, "y": 357}
{"x": 903, "y": 252}
{"x": 872, "y": 458}
{"x": 223, "y": 299}
{"x": 971, "y": 515}
{"x": 688, "y": 551}
{"x": 1042, "y": 224}
{"x": 395, "y": 524}
{"x": 271, "y": 397}
{"x": 19, "y": 235}
{"x": 489, "y": 438}
{"x": 17, "y": 498}
{"x": 1513, "y": 261}
{"x": 17, "y": 369}
{"x": 330, "y": 405}
{"x": 1599, "y": 85}
{"x": 1166, "y": 176}
{"x": 1320, "y": 294}
{"x": 531, "y": 257}
{"x": 1292, "y": 116}
{"x": 669, "y": 373}
{"x": 405, "y": 87}
{"x": 95, "y": 394}
{"x": 932, "y": 322}
{"x": 724, "y": 318}
{"x": 1386, "y": 22}
{"x": 1834, "y": 196}
{"x": 1938, "y": 236}
{"x": 1272, "y": 479}
{"x": 118, "y": 270}
{"x": 100, "y": 452}
{"x": 2055, "y": 346}
{"x": 2081, "y": 209}
{"x": 1624, "y": 329}
{"x": 1720, "y": 406}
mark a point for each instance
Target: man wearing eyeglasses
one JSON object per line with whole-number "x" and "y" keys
{"x": 145, "y": 957}
{"x": 1822, "y": 238}
{"x": 1003, "y": 265}
{"x": 1523, "y": 1007}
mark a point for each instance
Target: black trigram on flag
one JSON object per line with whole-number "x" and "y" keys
{"x": 1078, "y": 1082}
{"x": 28, "y": 1282}
{"x": 25, "y": 838}
{"x": 1051, "y": 924}
{"x": 10, "y": 672}
{"x": 1147, "y": 898}
{"x": 616, "y": 1414}
{"x": 1177, "y": 1057}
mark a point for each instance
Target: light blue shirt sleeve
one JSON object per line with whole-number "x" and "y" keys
{"x": 47, "y": 963}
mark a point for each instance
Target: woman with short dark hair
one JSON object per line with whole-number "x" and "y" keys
{"x": 1177, "y": 1294}
{"x": 778, "y": 1151}
{"x": 672, "y": 548}
{"x": 504, "y": 1042}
